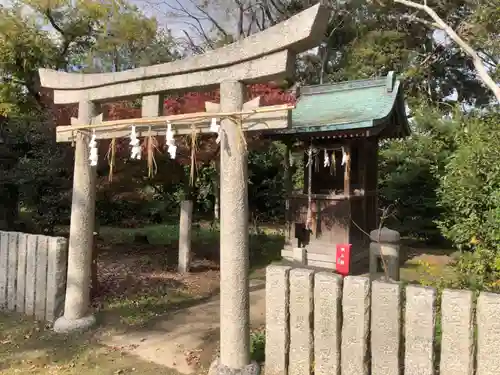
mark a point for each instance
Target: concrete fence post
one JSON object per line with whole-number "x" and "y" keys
{"x": 320, "y": 323}
{"x": 488, "y": 334}
{"x": 301, "y": 321}
{"x": 355, "y": 325}
{"x": 420, "y": 320}
{"x": 277, "y": 319}
{"x": 385, "y": 328}
{"x": 32, "y": 274}
{"x": 327, "y": 323}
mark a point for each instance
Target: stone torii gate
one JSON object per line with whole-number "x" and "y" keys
{"x": 262, "y": 57}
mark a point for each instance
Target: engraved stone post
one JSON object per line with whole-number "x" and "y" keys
{"x": 4, "y": 266}
{"x": 77, "y": 313}
{"x": 21, "y": 272}
{"x": 41, "y": 277}
{"x": 488, "y": 334}
{"x": 327, "y": 323}
{"x": 301, "y": 321}
{"x": 355, "y": 326}
{"x": 419, "y": 330}
{"x": 31, "y": 261}
{"x": 277, "y": 324}
{"x": 56, "y": 276}
{"x": 457, "y": 337}
{"x": 386, "y": 328}
{"x": 12, "y": 273}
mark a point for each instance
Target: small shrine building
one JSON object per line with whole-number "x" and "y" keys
{"x": 335, "y": 130}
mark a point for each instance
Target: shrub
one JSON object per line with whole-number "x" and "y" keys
{"x": 469, "y": 191}
{"x": 410, "y": 170}
{"x": 469, "y": 194}
{"x": 258, "y": 346}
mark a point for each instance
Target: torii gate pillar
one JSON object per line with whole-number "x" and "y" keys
{"x": 76, "y": 306}
{"x": 234, "y": 300}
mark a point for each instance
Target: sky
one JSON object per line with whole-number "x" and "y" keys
{"x": 156, "y": 8}
{"x": 162, "y": 11}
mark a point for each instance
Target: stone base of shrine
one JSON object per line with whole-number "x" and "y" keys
{"x": 216, "y": 368}
{"x": 324, "y": 257}
{"x": 307, "y": 257}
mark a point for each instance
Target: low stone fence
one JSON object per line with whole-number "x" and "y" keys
{"x": 324, "y": 324}
{"x": 33, "y": 274}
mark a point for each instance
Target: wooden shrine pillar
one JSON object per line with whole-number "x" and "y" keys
{"x": 371, "y": 175}
{"x": 362, "y": 169}
{"x": 347, "y": 170}
{"x": 288, "y": 190}
{"x": 77, "y": 313}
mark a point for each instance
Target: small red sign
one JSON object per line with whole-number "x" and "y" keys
{"x": 343, "y": 259}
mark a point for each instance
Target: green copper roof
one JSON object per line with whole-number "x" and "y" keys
{"x": 350, "y": 105}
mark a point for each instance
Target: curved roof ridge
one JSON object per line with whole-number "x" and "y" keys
{"x": 344, "y": 85}
{"x": 349, "y": 105}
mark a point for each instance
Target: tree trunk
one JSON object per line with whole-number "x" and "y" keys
{"x": 481, "y": 70}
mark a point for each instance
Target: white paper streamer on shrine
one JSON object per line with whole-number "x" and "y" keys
{"x": 214, "y": 127}
{"x": 326, "y": 161}
{"x": 344, "y": 156}
{"x": 93, "y": 158}
{"x": 135, "y": 143}
{"x": 172, "y": 148}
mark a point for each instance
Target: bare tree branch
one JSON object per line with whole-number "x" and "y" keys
{"x": 476, "y": 59}
{"x": 253, "y": 21}
{"x": 241, "y": 18}
{"x": 200, "y": 30}
{"x": 210, "y": 18}
{"x": 197, "y": 27}
{"x": 412, "y": 18}
{"x": 261, "y": 25}
{"x": 280, "y": 9}
{"x": 192, "y": 45}
{"x": 268, "y": 13}
{"x": 53, "y": 22}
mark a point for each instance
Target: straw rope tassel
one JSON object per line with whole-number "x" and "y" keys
{"x": 111, "y": 158}
{"x": 242, "y": 141}
{"x": 194, "y": 135}
{"x": 309, "y": 188}
{"x": 152, "y": 167}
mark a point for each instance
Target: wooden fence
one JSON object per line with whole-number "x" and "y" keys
{"x": 324, "y": 324}
{"x": 33, "y": 274}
